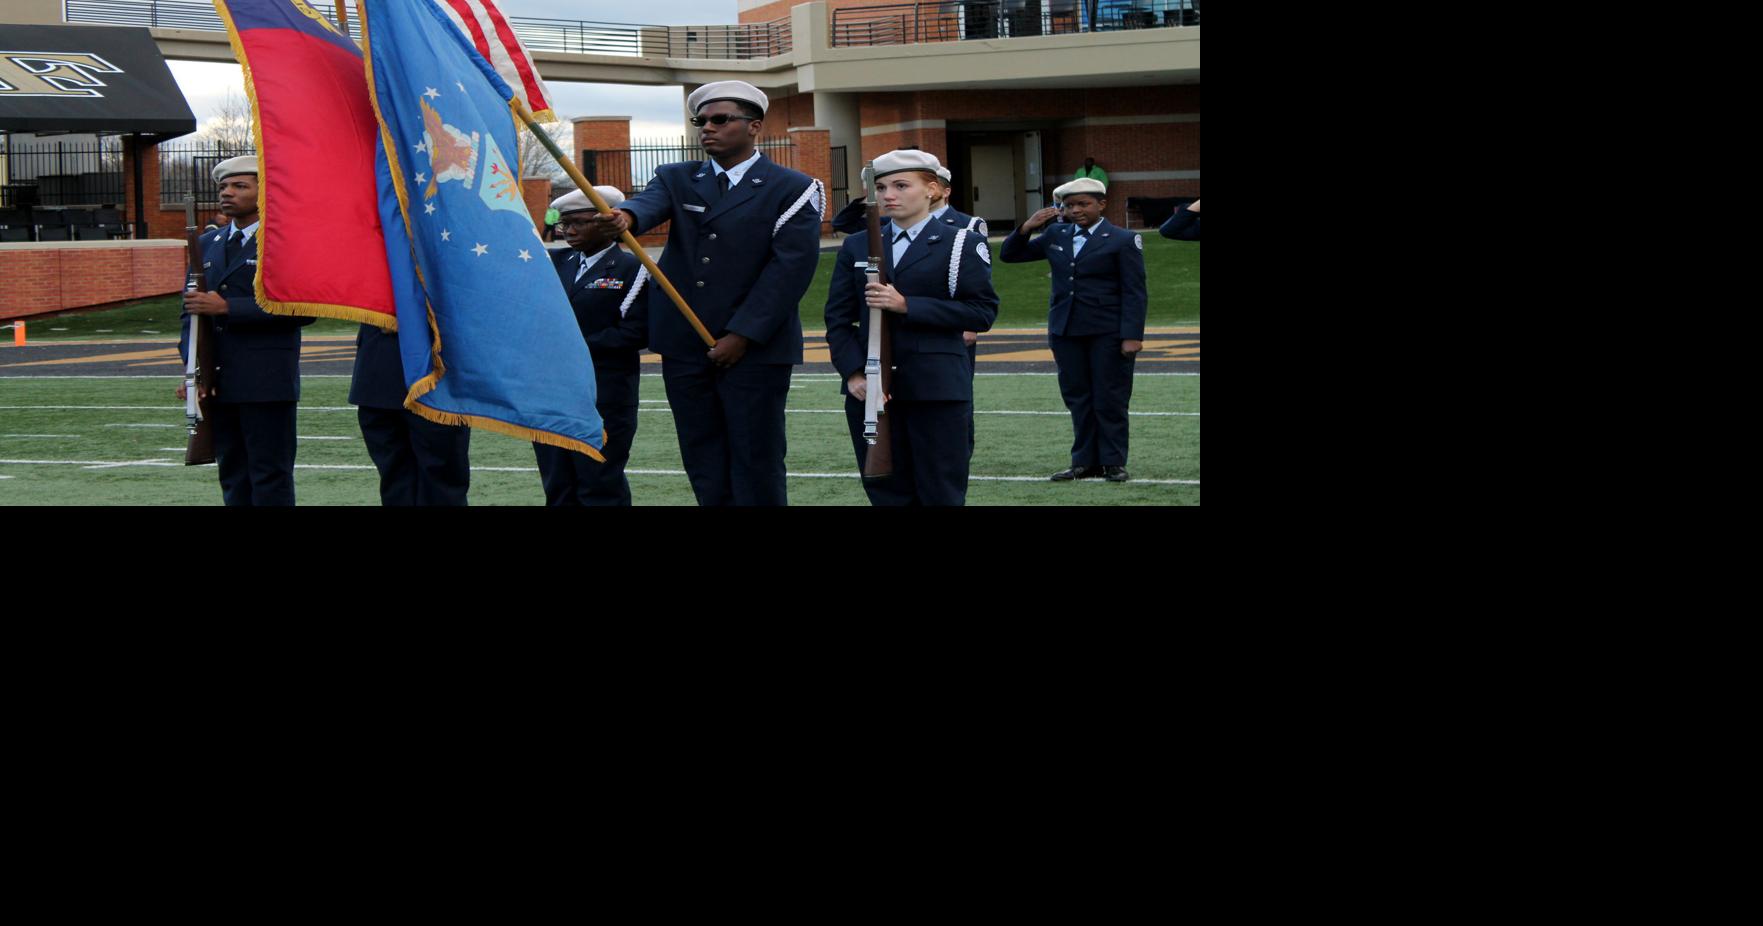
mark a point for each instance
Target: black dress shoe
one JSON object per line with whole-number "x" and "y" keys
{"x": 1115, "y": 473}
{"x": 1077, "y": 472}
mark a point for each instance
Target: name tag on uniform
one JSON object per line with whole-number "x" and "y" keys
{"x": 206, "y": 264}
{"x": 1055, "y": 247}
{"x": 251, "y": 260}
{"x": 607, "y": 283}
{"x": 860, "y": 265}
{"x": 691, "y": 208}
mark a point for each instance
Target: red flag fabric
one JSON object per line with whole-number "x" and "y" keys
{"x": 321, "y": 251}
{"x": 489, "y": 32}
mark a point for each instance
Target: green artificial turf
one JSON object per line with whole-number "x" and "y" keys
{"x": 48, "y": 455}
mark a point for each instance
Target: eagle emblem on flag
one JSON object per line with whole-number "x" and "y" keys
{"x": 452, "y": 153}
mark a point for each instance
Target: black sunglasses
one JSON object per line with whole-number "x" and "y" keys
{"x": 718, "y": 119}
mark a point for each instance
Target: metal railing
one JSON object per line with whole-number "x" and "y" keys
{"x": 61, "y": 174}
{"x": 188, "y": 168}
{"x": 743, "y": 41}
{"x": 961, "y": 20}
{"x": 630, "y": 169}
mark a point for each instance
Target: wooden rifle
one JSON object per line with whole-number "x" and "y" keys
{"x": 878, "y": 368}
{"x": 199, "y": 365}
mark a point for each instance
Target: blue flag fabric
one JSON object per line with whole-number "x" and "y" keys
{"x": 504, "y": 351}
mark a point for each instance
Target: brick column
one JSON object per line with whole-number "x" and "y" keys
{"x": 149, "y": 155}
{"x": 605, "y": 133}
{"x": 814, "y": 157}
{"x": 536, "y": 191}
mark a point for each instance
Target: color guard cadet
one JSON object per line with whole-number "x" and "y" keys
{"x": 603, "y": 283}
{"x": 420, "y": 462}
{"x": 257, "y": 355}
{"x": 742, "y": 249}
{"x": 942, "y": 287}
{"x": 1095, "y": 322}
{"x": 942, "y": 212}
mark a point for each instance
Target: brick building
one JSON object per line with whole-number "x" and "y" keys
{"x": 1012, "y": 95}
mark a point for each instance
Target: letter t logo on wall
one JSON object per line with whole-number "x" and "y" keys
{"x": 52, "y": 73}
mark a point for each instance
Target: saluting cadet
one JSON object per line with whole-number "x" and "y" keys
{"x": 257, "y": 355}
{"x": 603, "y": 283}
{"x": 742, "y": 250}
{"x": 942, "y": 287}
{"x": 1183, "y": 224}
{"x": 1095, "y": 321}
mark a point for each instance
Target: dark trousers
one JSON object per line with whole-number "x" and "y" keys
{"x": 254, "y": 451}
{"x": 1096, "y": 383}
{"x": 731, "y": 429}
{"x": 420, "y": 462}
{"x": 973, "y": 366}
{"x": 574, "y": 479}
{"x": 932, "y": 446}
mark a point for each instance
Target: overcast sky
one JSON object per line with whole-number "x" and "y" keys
{"x": 653, "y": 110}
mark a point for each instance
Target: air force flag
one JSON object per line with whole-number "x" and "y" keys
{"x": 503, "y": 350}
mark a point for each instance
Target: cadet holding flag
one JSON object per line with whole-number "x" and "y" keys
{"x": 742, "y": 247}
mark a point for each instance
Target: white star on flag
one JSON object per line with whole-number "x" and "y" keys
{"x": 422, "y": 147}
{"x": 431, "y": 93}
{"x": 421, "y": 179}
{"x": 446, "y": 235}
{"x": 525, "y": 256}
{"x": 429, "y": 209}
{"x": 460, "y": 86}
{"x": 482, "y": 249}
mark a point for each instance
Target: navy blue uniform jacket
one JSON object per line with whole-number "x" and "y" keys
{"x": 258, "y": 353}
{"x": 1182, "y": 226}
{"x": 1108, "y": 279}
{"x": 930, "y": 361}
{"x": 613, "y": 340}
{"x": 736, "y": 267}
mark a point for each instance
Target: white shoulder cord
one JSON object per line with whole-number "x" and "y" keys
{"x": 813, "y": 192}
{"x": 636, "y": 287}
{"x": 955, "y": 261}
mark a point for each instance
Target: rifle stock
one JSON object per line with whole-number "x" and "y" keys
{"x": 199, "y": 366}
{"x": 878, "y": 460}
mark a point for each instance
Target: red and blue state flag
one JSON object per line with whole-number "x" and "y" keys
{"x": 321, "y": 249}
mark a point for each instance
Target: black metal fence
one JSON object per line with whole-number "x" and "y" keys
{"x": 960, "y": 20}
{"x": 62, "y": 174}
{"x": 840, "y": 194}
{"x": 189, "y": 167}
{"x": 629, "y": 169}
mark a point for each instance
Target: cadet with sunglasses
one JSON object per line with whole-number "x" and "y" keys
{"x": 742, "y": 248}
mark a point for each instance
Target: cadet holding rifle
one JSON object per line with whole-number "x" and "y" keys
{"x": 256, "y": 384}
{"x": 940, "y": 285}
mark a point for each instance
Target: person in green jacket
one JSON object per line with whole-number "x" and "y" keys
{"x": 1091, "y": 172}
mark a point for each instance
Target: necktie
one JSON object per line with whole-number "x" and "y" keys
{"x": 722, "y": 183}
{"x": 898, "y": 237}
{"x": 231, "y": 251}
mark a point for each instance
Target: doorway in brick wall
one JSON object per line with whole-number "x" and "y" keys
{"x": 998, "y": 174}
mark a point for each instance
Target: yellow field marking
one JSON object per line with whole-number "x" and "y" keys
{"x": 106, "y": 358}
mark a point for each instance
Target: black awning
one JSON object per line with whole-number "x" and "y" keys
{"x": 100, "y": 79}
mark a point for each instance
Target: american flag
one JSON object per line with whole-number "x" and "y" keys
{"x": 489, "y": 32}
